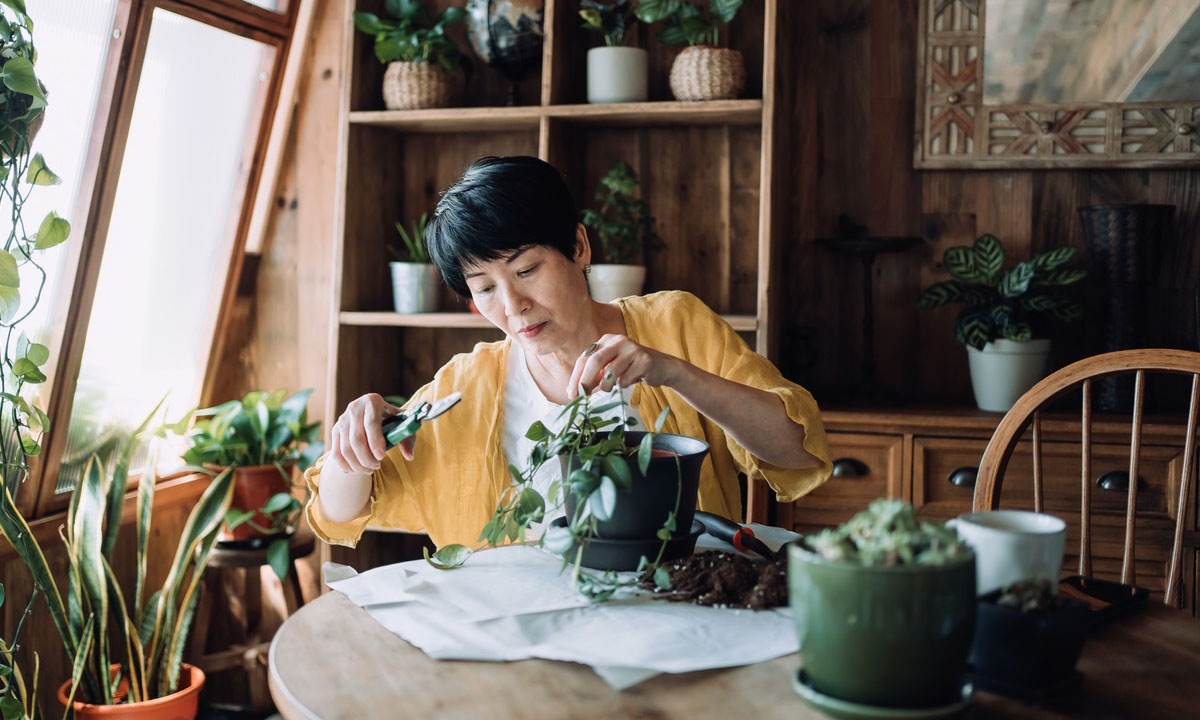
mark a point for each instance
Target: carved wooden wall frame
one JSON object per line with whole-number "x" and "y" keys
{"x": 955, "y": 129}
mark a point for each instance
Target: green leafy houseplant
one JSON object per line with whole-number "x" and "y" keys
{"x": 623, "y": 225}
{"x": 1004, "y": 303}
{"x": 408, "y": 34}
{"x": 96, "y": 625}
{"x": 687, "y": 22}
{"x": 263, "y": 429}
{"x": 611, "y": 19}
{"x": 888, "y": 533}
{"x": 413, "y": 249}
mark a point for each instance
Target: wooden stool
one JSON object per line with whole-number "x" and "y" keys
{"x": 251, "y": 655}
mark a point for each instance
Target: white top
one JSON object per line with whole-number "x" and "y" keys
{"x": 524, "y": 404}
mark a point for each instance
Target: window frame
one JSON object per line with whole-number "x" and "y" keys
{"x": 97, "y": 193}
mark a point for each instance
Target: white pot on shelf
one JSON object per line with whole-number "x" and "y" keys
{"x": 415, "y": 287}
{"x": 1004, "y": 370}
{"x": 616, "y": 74}
{"x": 609, "y": 282}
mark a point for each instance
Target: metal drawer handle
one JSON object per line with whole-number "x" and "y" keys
{"x": 1118, "y": 481}
{"x": 963, "y": 477}
{"x": 850, "y": 467}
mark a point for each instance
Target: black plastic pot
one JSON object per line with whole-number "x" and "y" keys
{"x": 1028, "y": 650}
{"x": 640, "y": 513}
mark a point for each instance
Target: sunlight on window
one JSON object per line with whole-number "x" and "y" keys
{"x": 165, "y": 258}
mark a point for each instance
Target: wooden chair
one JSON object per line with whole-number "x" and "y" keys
{"x": 1027, "y": 411}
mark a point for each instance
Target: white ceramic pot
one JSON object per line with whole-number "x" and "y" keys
{"x": 616, "y": 74}
{"x": 1004, "y": 370}
{"x": 1012, "y": 545}
{"x": 415, "y": 287}
{"x": 609, "y": 282}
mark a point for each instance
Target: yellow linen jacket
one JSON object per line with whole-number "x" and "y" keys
{"x": 453, "y": 484}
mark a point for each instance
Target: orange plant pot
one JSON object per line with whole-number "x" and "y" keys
{"x": 252, "y": 487}
{"x": 182, "y": 704}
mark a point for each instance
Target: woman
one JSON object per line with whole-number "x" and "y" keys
{"x": 506, "y": 235}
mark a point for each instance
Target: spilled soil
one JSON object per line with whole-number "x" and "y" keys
{"x": 723, "y": 579}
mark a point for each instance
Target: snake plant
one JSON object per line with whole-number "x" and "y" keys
{"x": 95, "y": 622}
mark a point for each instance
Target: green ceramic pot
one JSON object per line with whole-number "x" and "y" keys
{"x": 885, "y": 636}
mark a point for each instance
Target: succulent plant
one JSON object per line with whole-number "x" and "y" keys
{"x": 888, "y": 533}
{"x": 1034, "y": 595}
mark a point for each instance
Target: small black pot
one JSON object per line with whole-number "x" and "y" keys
{"x": 1029, "y": 650}
{"x": 640, "y": 512}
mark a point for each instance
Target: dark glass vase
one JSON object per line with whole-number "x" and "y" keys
{"x": 1122, "y": 243}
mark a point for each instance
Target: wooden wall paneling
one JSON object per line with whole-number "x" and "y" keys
{"x": 742, "y": 247}
{"x": 374, "y": 202}
{"x": 563, "y": 53}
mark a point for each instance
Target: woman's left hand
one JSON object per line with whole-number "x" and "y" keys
{"x": 629, "y": 362}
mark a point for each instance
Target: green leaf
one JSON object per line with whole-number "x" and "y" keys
{"x": 724, "y": 10}
{"x": 39, "y": 173}
{"x": 604, "y": 499}
{"x": 27, "y": 371}
{"x": 1066, "y": 311}
{"x": 1051, "y": 259}
{"x": 662, "y": 578}
{"x": 644, "y": 454}
{"x": 537, "y": 432}
{"x": 651, "y": 11}
{"x": 1016, "y": 281}
{"x": 235, "y": 518}
{"x": 960, "y": 262}
{"x": 531, "y": 503}
{"x": 18, "y": 75}
{"x": 973, "y": 328}
{"x": 662, "y": 418}
{"x": 370, "y": 23}
{"x": 447, "y": 557}
{"x": 1062, "y": 276}
{"x": 53, "y": 231}
{"x": 1018, "y": 332}
{"x": 278, "y": 558}
{"x": 557, "y": 539}
{"x": 989, "y": 256}
{"x": 10, "y": 282}
{"x": 18, "y": 5}
{"x": 1001, "y": 314}
{"x": 38, "y": 354}
{"x": 278, "y": 502}
{"x": 1039, "y": 303}
{"x": 939, "y": 294}
{"x": 617, "y": 468}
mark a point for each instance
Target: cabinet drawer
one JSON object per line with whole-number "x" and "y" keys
{"x": 865, "y": 467}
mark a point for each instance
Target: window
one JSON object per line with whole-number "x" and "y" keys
{"x": 181, "y": 92}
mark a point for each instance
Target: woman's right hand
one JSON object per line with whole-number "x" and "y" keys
{"x": 356, "y": 442}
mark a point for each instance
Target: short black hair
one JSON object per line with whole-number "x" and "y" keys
{"x": 500, "y": 204}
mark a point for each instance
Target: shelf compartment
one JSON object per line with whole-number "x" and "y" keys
{"x": 741, "y": 323}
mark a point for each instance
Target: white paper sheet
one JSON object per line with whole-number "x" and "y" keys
{"x": 513, "y": 603}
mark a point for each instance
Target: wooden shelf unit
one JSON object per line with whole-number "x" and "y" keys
{"x": 706, "y": 168}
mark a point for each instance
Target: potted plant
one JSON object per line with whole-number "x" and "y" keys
{"x": 1028, "y": 636}
{"x": 415, "y": 279}
{"x": 261, "y": 437}
{"x": 1005, "y": 310}
{"x": 125, "y": 657}
{"x": 701, "y": 71}
{"x": 615, "y": 73}
{"x": 622, "y": 230}
{"x": 421, "y": 58}
{"x": 884, "y": 607}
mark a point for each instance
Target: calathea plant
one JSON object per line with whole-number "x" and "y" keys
{"x": 611, "y": 19}
{"x": 1004, "y": 303}
{"x": 623, "y": 225}
{"x": 687, "y": 23}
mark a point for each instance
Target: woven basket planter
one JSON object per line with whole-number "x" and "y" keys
{"x": 703, "y": 72}
{"x": 415, "y": 85}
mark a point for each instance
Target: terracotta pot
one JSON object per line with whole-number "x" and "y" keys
{"x": 252, "y": 488}
{"x": 179, "y": 705}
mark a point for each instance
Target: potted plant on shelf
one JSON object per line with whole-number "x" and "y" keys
{"x": 415, "y": 279}
{"x": 1004, "y": 311}
{"x": 884, "y": 607}
{"x": 261, "y": 437}
{"x": 623, "y": 230}
{"x": 1028, "y": 637}
{"x": 615, "y": 73}
{"x": 126, "y": 658}
{"x": 701, "y": 71}
{"x": 421, "y": 58}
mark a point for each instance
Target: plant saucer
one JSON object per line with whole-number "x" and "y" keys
{"x": 620, "y": 554}
{"x": 846, "y": 709}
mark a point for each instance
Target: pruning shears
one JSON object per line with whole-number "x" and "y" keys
{"x": 398, "y": 428}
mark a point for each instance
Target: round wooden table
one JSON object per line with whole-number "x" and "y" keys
{"x": 331, "y": 660}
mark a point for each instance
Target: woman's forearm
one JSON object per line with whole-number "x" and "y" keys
{"x": 343, "y": 495}
{"x": 755, "y": 419}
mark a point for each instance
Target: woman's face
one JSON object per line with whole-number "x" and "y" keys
{"x": 534, "y": 294}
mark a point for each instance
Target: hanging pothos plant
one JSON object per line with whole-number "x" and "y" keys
{"x": 598, "y": 470}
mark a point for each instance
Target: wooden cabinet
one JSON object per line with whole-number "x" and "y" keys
{"x": 929, "y": 457}
{"x": 707, "y": 169}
